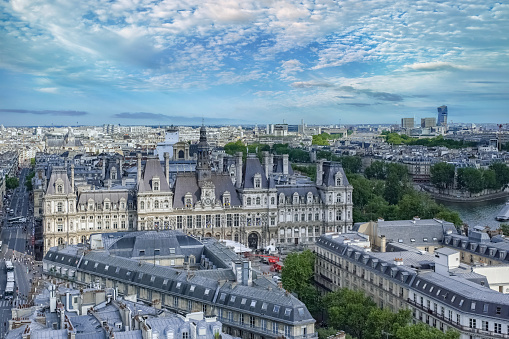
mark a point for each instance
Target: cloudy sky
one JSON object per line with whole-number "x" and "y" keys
{"x": 252, "y": 61}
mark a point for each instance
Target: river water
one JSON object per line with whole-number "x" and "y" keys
{"x": 478, "y": 213}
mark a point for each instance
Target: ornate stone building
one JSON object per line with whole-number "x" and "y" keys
{"x": 254, "y": 203}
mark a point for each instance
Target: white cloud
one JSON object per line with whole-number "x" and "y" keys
{"x": 52, "y": 90}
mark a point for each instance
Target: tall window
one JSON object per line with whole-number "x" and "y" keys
{"x": 60, "y": 207}
{"x": 189, "y": 221}
{"x": 258, "y": 200}
{"x": 60, "y": 189}
{"x": 257, "y": 183}
{"x": 142, "y": 205}
{"x": 248, "y": 201}
{"x": 156, "y": 185}
{"x": 156, "y": 204}
{"x": 179, "y": 221}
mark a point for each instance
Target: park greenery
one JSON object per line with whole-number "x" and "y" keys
{"x": 385, "y": 192}
{"x": 11, "y": 182}
{"x": 470, "y": 179}
{"x": 351, "y": 164}
{"x": 350, "y": 310}
{"x": 324, "y": 138}
{"x": 400, "y": 139}
{"x": 505, "y": 229}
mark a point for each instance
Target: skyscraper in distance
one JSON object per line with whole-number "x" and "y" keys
{"x": 442, "y": 115}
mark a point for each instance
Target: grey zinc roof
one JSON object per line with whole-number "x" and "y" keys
{"x": 136, "y": 334}
{"x": 415, "y": 232}
{"x": 193, "y": 285}
{"x": 98, "y": 196}
{"x": 251, "y": 168}
{"x": 301, "y": 190}
{"x": 56, "y": 174}
{"x": 329, "y": 172}
{"x": 188, "y": 183}
{"x": 450, "y": 289}
{"x": 152, "y": 169}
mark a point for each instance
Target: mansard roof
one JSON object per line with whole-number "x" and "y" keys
{"x": 330, "y": 169}
{"x": 188, "y": 182}
{"x": 153, "y": 169}
{"x": 99, "y": 196}
{"x": 58, "y": 174}
{"x": 251, "y": 168}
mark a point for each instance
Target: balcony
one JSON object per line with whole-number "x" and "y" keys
{"x": 454, "y": 324}
{"x": 267, "y": 332}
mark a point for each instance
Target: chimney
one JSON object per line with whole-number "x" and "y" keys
{"x": 285, "y": 163}
{"x": 72, "y": 178}
{"x": 120, "y": 168}
{"x": 167, "y": 167}
{"x": 319, "y": 172}
{"x": 103, "y": 169}
{"x": 266, "y": 163}
{"x": 383, "y": 243}
{"x": 238, "y": 179}
{"x": 138, "y": 177}
{"x": 220, "y": 159}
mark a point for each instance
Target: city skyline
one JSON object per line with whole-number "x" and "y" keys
{"x": 161, "y": 63}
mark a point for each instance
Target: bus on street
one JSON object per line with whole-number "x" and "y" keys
{"x": 9, "y": 290}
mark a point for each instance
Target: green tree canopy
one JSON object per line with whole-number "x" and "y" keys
{"x": 11, "y": 182}
{"x": 501, "y": 173}
{"x": 442, "y": 175}
{"x": 297, "y": 275}
{"x": 470, "y": 178}
{"x": 28, "y": 180}
{"x": 423, "y": 331}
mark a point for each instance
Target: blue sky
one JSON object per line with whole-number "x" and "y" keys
{"x": 252, "y": 61}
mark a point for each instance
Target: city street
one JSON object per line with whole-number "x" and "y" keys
{"x": 16, "y": 238}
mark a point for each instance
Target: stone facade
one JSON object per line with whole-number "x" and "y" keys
{"x": 246, "y": 201}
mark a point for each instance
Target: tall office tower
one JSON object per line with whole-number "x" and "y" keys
{"x": 407, "y": 123}
{"x": 442, "y": 115}
{"x": 428, "y": 122}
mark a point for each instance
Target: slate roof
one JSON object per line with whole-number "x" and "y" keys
{"x": 188, "y": 182}
{"x": 457, "y": 291}
{"x": 329, "y": 170}
{"x": 98, "y": 196}
{"x": 194, "y": 285}
{"x": 251, "y": 167}
{"x": 152, "y": 169}
{"x": 494, "y": 249}
{"x": 56, "y": 174}
{"x": 425, "y": 232}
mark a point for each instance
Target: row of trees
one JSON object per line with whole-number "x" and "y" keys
{"x": 323, "y": 138}
{"x": 386, "y": 192}
{"x": 11, "y": 182}
{"x": 350, "y": 310}
{"x": 399, "y": 139}
{"x": 470, "y": 179}
{"x": 350, "y": 164}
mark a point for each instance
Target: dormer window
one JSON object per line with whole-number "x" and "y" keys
{"x": 60, "y": 189}
{"x": 226, "y": 199}
{"x": 189, "y": 200}
{"x": 155, "y": 184}
{"x": 338, "y": 179}
{"x": 257, "y": 180}
{"x": 106, "y": 205}
{"x": 113, "y": 174}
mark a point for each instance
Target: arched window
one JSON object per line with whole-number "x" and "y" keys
{"x": 156, "y": 204}
{"x": 60, "y": 241}
{"x": 142, "y": 205}
{"x": 60, "y": 207}
{"x": 338, "y": 198}
{"x": 272, "y": 201}
{"x": 258, "y": 201}
{"x": 60, "y": 189}
{"x": 83, "y": 239}
{"x": 156, "y": 186}
{"x": 338, "y": 181}
{"x": 248, "y": 201}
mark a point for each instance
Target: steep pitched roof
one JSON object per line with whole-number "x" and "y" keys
{"x": 329, "y": 172}
{"x": 152, "y": 169}
{"x": 58, "y": 174}
{"x": 251, "y": 168}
